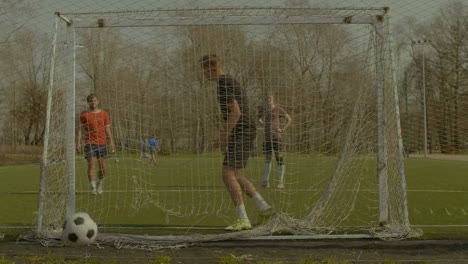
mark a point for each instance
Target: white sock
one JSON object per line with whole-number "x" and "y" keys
{"x": 260, "y": 203}
{"x": 266, "y": 172}
{"x": 93, "y": 184}
{"x": 241, "y": 213}
{"x": 282, "y": 169}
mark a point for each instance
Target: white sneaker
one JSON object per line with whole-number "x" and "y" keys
{"x": 265, "y": 215}
{"x": 280, "y": 185}
{"x": 265, "y": 184}
{"x": 99, "y": 187}
{"x": 92, "y": 185}
{"x": 239, "y": 225}
{"x": 267, "y": 212}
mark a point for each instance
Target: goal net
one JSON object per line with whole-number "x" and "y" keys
{"x": 329, "y": 69}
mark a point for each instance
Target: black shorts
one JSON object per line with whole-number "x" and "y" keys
{"x": 272, "y": 146}
{"x": 95, "y": 151}
{"x": 238, "y": 148}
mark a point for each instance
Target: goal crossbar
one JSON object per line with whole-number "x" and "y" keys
{"x": 224, "y": 16}
{"x": 191, "y": 21}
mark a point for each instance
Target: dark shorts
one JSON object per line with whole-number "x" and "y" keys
{"x": 95, "y": 151}
{"x": 272, "y": 146}
{"x": 238, "y": 149}
{"x": 152, "y": 151}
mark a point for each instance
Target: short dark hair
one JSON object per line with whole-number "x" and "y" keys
{"x": 90, "y": 97}
{"x": 209, "y": 61}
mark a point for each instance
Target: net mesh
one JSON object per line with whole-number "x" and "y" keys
{"x": 144, "y": 67}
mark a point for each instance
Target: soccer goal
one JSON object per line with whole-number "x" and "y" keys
{"x": 331, "y": 70}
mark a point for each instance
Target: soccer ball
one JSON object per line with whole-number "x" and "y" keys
{"x": 79, "y": 229}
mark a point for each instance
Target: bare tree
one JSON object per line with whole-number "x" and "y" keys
{"x": 316, "y": 51}
{"x": 27, "y": 61}
{"x": 447, "y": 74}
{"x": 12, "y": 20}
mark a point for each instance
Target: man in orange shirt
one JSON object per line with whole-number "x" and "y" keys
{"x": 96, "y": 126}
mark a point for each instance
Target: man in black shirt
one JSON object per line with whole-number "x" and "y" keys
{"x": 237, "y": 136}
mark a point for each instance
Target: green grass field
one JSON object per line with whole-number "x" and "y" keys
{"x": 177, "y": 192}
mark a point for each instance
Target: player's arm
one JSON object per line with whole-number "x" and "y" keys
{"x": 109, "y": 136}
{"x": 108, "y": 132}
{"x": 234, "y": 114}
{"x": 260, "y": 120}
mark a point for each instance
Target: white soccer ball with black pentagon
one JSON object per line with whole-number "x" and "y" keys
{"x": 79, "y": 229}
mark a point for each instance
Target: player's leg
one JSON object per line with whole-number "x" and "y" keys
{"x": 91, "y": 174}
{"x": 101, "y": 175}
{"x": 234, "y": 189}
{"x": 102, "y": 160}
{"x": 242, "y": 156}
{"x": 280, "y": 161}
{"x": 281, "y": 170}
{"x": 267, "y": 151}
{"x": 229, "y": 179}
{"x": 249, "y": 189}
{"x": 152, "y": 160}
{"x": 230, "y": 166}
{"x": 90, "y": 155}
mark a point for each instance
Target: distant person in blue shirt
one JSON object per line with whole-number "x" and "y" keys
{"x": 153, "y": 146}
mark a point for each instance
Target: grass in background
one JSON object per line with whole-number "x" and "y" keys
{"x": 437, "y": 198}
{"x": 14, "y": 155}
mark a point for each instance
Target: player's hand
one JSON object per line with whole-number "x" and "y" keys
{"x": 279, "y": 130}
{"x": 78, "y": 148}
{"x": 111, "y": 148}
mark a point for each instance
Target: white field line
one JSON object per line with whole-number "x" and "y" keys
{"x": 215, "y": 227}
{"x": 222, "y": 188}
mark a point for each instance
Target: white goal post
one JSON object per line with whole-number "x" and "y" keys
{"x": 331, "y": 69}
